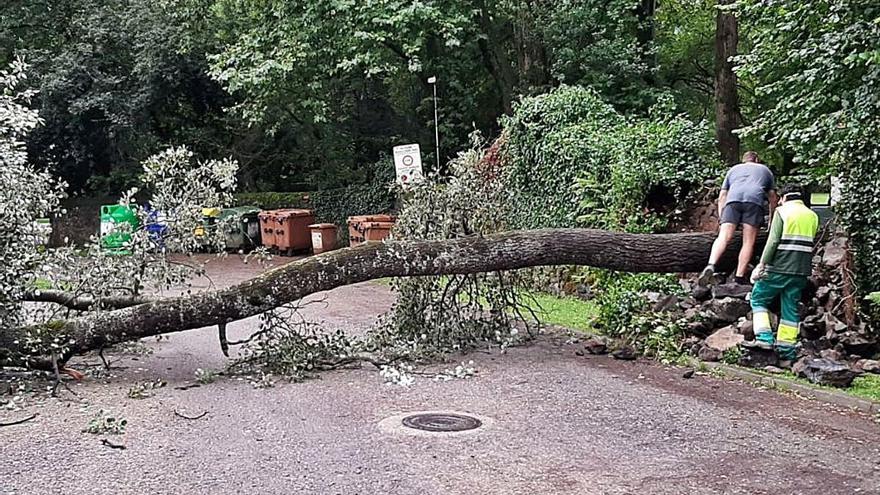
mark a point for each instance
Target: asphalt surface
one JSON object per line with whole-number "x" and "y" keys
{"x": 554, "y": 423}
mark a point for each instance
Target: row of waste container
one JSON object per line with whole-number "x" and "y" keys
{"x": 286, "y": 231}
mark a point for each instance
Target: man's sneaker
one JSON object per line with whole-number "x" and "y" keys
{"x": 786, "y": 352}
{"x": 741, "y": 281}
{"x": 763, "y": 340}
{"x": 706, "y": 276}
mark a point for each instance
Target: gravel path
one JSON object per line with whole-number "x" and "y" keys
{"x": 558, "y": 423}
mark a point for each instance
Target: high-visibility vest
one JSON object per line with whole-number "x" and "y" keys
{"x": 794, "y": 252}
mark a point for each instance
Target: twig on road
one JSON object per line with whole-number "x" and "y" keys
{"x": 112, "y": 445}
{"x": 184, "y": 416}
{"x": 20, "y": 421}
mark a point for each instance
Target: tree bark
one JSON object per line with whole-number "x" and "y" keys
{"x": 657, "y": 253}
{"x": 727, "y": 112}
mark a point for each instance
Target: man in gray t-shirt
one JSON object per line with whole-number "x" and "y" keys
{"x": 747, "y": 187}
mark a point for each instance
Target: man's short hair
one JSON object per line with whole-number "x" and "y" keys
{"x": 793, "y": 191}
{"x": 750, "y": 156}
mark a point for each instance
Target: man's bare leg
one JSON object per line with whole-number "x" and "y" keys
{"x": 750, "y": 234}
{"x": 725, "y": 234}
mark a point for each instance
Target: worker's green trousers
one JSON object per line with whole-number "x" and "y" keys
{"x": 788, "y": 288}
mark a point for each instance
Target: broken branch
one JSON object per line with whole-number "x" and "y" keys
{"x": 85, "y": 303}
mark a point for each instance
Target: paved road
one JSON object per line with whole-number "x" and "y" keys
{"x": 557, "y": 423}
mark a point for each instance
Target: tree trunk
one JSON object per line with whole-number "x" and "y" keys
{"x": 645, "y": 35}
{"x": 495, "y": 57}
{"x": 727, "y": 115}
{"x": 533, "y": 64}
{"x": 657, "y": 253}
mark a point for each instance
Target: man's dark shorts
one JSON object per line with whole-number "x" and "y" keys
{"x": 739, "y": 213}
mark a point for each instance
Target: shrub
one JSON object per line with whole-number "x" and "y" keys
{"x": 621, "y": 298}
{"x": 572, "y": 160}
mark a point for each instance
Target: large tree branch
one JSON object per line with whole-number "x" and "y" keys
{"x": 660, "y": 253}
{"x": 86, "y": 303}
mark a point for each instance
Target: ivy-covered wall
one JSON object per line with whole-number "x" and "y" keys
{"x": 859, "y": 211}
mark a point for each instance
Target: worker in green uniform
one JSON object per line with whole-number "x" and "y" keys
{"x": 785, "y": 265}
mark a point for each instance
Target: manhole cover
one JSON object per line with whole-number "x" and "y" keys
{"x": 441, "y": 422}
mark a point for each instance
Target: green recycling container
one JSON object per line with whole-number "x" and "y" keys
{"x": 114, "y": 237}
{"x": 242, "y": 227}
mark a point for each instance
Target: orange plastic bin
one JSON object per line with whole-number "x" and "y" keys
{"x": 292, "y": 230}
{"x": 323, "y": 237}
{"x": 377, "y": 231}
{"x": 267, "y": 228}
{"x": 357, "y": 227}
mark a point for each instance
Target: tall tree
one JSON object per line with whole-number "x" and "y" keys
{"x": 727, "y": 114}
{"x": 685, "y": 45}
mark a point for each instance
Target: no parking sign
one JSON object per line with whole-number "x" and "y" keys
{"x": 408, "y": 163}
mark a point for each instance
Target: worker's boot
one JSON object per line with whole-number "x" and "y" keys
{"x": 763, "y": 340}
{"x": 786, "y": 351}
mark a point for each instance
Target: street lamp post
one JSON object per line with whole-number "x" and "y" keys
{"x": 433, "y": 82}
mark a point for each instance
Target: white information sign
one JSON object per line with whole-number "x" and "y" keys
{"x": 408, "y": 163}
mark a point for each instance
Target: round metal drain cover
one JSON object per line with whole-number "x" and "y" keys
{"x": 441, "y": 422}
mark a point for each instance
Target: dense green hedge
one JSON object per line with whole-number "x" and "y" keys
{"x": 273, "y": 200}
{"x": 572, "y": 160}
{"x": 336, "y": 205}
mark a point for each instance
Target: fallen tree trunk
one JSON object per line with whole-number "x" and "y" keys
{"x": 657, "y": 253}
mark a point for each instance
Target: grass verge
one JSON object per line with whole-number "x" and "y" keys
{"x": 866, "y": 387}
{"x": 863, "y": 387}
{"x": 568, "y": 312}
